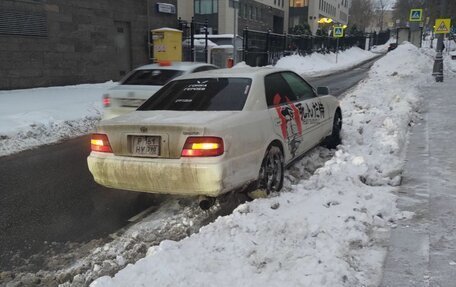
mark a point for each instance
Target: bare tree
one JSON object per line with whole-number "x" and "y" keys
{"x": 361, "y": 13}
{"x": 381, "y": 7}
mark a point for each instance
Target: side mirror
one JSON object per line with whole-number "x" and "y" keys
{"x": 323, "y": 91}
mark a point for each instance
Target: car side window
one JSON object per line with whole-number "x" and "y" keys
{"x": 300, "y": 88}
{"x": 277, "y": 90}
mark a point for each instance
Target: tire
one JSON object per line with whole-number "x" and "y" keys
{"x": 271, "y": 172}
{"x": 334, "y": 140}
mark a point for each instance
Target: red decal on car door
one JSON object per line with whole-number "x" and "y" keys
{"x": 283, "y": 120}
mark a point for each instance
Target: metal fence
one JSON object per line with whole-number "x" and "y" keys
{"x": 194, "y": 49}
{"x": 265, "y": 48}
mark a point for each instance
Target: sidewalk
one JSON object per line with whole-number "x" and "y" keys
{"x": 422, "y": 250}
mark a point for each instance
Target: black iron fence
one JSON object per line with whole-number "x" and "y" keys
{"x": 265, "y": 48}
{"x": 194, "y": 49}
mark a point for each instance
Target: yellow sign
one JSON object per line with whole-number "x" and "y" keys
{"x": 416, "y": 15}
{"x": 338, "y": 32}
{"x": 442, "y": 26}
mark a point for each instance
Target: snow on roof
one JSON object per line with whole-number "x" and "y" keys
{"x": 166, "y": 29}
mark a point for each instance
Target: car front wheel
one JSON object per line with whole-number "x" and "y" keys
{"x": 334, "y": 140}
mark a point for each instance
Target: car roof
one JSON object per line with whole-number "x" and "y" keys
{"x": 175, "y": 66}
{"x": 244, "y": 72}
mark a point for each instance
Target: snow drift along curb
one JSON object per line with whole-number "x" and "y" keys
{"x": 322, "y": 231}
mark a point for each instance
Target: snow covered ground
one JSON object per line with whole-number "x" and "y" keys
{"x": 323, "y": 64}
{"x": 34, "y": 117}
{"x": 327, "y": 230}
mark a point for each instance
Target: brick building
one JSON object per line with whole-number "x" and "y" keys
{"x": 52, "y": 42}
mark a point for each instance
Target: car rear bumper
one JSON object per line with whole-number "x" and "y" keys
{"x": 170, "y": 176}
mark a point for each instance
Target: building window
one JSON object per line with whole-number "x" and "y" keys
{"x": 23, "y": 23}
{"x": 204, "y": 7}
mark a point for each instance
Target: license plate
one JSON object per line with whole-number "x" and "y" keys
{"x": 146, "y": 145}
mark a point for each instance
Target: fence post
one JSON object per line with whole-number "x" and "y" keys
{"x": 267, "y": 48}
{"x": 206, "y": 33}
{"x": 192, "y": 40}
{"x": 245, "y": 44}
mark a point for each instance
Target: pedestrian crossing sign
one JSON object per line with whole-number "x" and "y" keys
{"x": 442, "y": 26}
{"x": 416, "y": 15}
{"x": 338, "y": 32}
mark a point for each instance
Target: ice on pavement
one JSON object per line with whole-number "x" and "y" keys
{"x": 324, "y": 231}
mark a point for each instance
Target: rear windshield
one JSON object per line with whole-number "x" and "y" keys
{"x": 154, "y": 77}
{"x": 206, "y": 94}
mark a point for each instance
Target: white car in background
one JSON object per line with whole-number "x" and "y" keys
{"x": 143, "y": 82}
{"x": 210, "y": 133}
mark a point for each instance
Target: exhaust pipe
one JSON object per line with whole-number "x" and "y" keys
{"x": 206, "y": 202}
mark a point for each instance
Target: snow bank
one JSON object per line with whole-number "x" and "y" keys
{"x": 322, "y": 64}
{"x": 324, "y": 231}
{"x": 34, "y": 117}
{"x": 383, "y": 48}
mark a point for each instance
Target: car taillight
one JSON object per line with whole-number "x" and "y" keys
{"x": 106, "y": 100}
{"x": 203, "y": 146}
{"x": 100, "y": 142}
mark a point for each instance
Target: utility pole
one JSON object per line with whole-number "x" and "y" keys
{"x": 149, "y": 38}
{"x": 235, "y": 20}
{"x": 437, "y": 71}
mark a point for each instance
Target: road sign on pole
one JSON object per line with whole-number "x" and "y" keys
{"x": 442, "y": 26}
{"x": 416, "y": 15}
{"x": 338, "y": 32}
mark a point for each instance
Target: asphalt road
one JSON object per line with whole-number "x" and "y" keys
{"x": 340, "y": 82}
{"x": 48, "y": 195}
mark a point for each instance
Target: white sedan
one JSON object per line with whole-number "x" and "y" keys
{"x": 210, "y": 133}
{"x": 143, "y": 82}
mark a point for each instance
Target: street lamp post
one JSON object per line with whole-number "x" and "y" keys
{"x": 437, "y": 70}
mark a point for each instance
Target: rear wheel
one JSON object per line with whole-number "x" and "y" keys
{"x": 271, "y": 171}
{"x": 334, "y": 140}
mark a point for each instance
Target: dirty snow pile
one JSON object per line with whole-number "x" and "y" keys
{"x": 317, "y": 64}
{"x": 33, "y": 117}
{"x": 324, "y": 231}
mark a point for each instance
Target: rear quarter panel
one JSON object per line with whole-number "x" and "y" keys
{"x": 246, "y": 138}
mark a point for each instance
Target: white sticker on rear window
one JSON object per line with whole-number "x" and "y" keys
{"x": 183, "y": 100}
{"x": 198, "y": 86}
